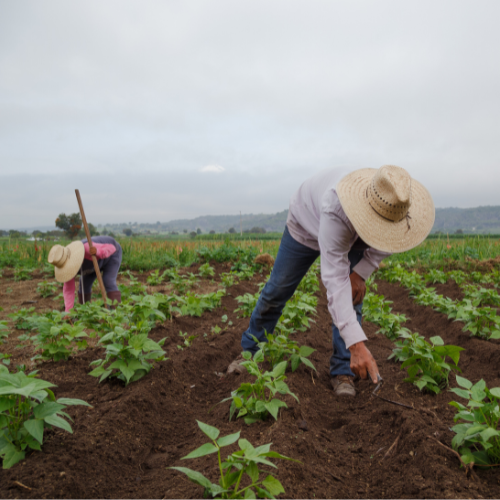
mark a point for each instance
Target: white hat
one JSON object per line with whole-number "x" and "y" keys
{"x": 389, "y": 210}
{"x": 67, "y": 260}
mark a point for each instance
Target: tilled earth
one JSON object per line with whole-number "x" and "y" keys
{"x": 348, "y": 448}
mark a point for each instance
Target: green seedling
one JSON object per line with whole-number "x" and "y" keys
{"x": 128, "y": 357}
{"x": 27, "y": 408}
{"x": 240, "y": 475}
{"x": 206, "y": 271}
{"x": 310, "y": 282}
{"x": 247, "y": 304}
{"x": 155, "y": 278}
{"x": 187, "y": 340}
{"x": 280, "y": 348}
{"x": 57, "y": 339}
{"x": 458, "y": 277}
{"x": 425, "y": 362}
{"x": 480, "y": 296}
{"x": 22, "y": 319}
{"x": 256, "y": 401}
{"x": 477, "y": 439}
{"x": 22, "y": 274}
{"x": 228, "y": 279}
{"x": 47, "y": 288}
{"x": 5, "y": 358}
{"x": 4, "y": 331}
{"x": 436, "y": 276}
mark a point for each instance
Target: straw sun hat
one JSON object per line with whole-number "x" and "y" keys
{"x": 67, "y": 260}
{"x": 389, "y": 210}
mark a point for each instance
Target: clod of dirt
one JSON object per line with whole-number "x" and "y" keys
{"x": 265, "y": 259}
{"x": 303, "y": 425}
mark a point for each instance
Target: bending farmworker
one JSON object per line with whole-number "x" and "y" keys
{"x": 353, "y": 219}
{"x": 76, "y": 259}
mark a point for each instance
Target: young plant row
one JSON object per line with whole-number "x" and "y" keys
{"x": 426, "y": 362}
{"x": 482, "y": 322}
{"x": 477, "y": 433}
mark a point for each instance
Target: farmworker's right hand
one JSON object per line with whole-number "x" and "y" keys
{"x": 363, "y": 363}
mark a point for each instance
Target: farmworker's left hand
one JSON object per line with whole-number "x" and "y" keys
{"x": 358, "y": 286}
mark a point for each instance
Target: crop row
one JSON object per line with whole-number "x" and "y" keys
{"x": 129, "y": 353}
{"x": 477, "y": 437}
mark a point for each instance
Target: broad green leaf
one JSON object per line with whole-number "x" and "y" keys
{"x": 247, "y": 447}
{"x": 6, "y": 404}
{"x": 273, "y": 486}
{"x": 12, "y": 457}
{"x": 463, "y": 382}
{"x": 208, "y": 430}
{"x": 308, "y": 363}
{"x": 273, "y": 407}
{"x": 437, "y": 340}
{"x": 72, "y": 402}
{"x": 253, "y": 471}
{"x": 35, "y": 428}
{"x": 195, "y": 476}
{"x": 489, "y": 433}
{"x": 461, "y": 392}
{"x": 203, "y": 450}
{"x": 295, "y": 362}
{"x": 48, "y": 408}
{"x": 306, "y": 351}
{"x": 59, "y": 422}
{"x": 229, "y": 439}
{"x": 420, "y": 384}
{"x": 258, "y": 357}
{"x": 495, "y": 391}
{"x": 249, "y": 494}
{"x": 474, "y": 430}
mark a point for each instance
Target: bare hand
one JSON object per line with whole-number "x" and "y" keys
{"x": 363, "y": 363}
{"x": 358, "y": 288}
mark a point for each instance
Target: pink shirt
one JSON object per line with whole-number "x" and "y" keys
{"x": 104, "y": 251}
{"x": 316, "y": 219}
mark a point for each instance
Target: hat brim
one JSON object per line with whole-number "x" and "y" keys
{"x": 374, "y": 230}
{"x": 72, "y": 264}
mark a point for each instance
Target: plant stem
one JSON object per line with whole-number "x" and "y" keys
{"x": 239, "y": 480}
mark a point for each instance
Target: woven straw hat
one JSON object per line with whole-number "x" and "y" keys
{"x": 389, "y": 210}
{"x": 67, "y": 260}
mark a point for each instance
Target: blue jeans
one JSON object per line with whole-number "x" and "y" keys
{"x": 292, "y": 263}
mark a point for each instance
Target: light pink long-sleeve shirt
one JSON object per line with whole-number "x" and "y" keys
{"x": 317, "y": 220}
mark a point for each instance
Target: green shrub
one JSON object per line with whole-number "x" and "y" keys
{"x": 425, "y": 362}
{"x": 27, "y": 408}
{"x": 478, "y": 438}
{"x": 244, "y": 462}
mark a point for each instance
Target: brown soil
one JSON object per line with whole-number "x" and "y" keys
{"x": 352, "y": 448}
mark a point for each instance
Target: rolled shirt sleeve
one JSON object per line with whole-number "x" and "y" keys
{"x": 370, "y": 262}
{"x": 335, "y": 239}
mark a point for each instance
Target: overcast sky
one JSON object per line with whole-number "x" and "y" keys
{"x": 160, "y": 110}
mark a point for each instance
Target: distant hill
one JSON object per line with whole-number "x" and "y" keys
{"x": 478, "y": 220}
{"x": 207, "y": 223}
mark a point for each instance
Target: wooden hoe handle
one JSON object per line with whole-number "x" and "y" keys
{"x": 92, "y": 248}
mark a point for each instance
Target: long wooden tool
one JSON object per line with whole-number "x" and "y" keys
{"x": 92, "y": 248}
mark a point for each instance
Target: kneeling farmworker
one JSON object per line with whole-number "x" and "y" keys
{"x": 76, "y": 259}
{"x": 353, "y": 219}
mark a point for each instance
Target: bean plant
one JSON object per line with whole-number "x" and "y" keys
{"x": 477, "y": 437}
{"x": 128, "y": 357}
{"x": 255, "y": 401}
{"x": 425, "y": 362}
{"x": 47, "y": 288}
{"x": 243, "y": 463}
{"x": 206, "y": 271}
{"x": 279, "y": 347}
{"x": 27, "y": 408}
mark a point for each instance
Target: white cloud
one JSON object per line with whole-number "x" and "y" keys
{"x": 216, "y": 169}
